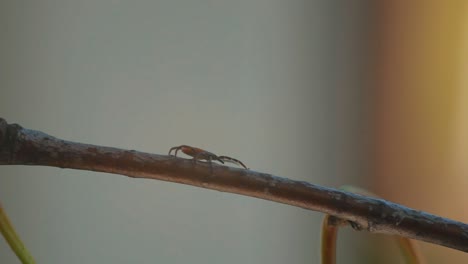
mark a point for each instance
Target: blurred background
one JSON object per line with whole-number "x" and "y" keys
{"x": 329, "y": 92}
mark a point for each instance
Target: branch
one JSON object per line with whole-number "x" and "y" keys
{"x": 19, "y": 146}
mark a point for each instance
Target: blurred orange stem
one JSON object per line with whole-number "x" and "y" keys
{"x": 330, "y": 226}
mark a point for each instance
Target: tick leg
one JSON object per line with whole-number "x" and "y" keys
{"x": 174, "y": 148}
{"x": 232, "y": 160}
{"x": 184, "y": 148}
{"x": 218, "y": 159}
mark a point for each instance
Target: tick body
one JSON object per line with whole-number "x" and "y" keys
{"x": 201, "y": 154}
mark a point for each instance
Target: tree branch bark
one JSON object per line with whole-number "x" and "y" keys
{"x": 19, "y": 146}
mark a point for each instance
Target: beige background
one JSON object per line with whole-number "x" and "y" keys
{"x": 278, "y": 84}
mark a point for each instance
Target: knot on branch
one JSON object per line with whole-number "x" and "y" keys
{"x": 3, "y": 130}
{"x": 8, "y": 134}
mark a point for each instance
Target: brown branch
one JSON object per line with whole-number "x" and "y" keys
{"x": 20, "y": 146}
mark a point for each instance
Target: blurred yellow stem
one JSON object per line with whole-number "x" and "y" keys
{"x": 12, "y": 238}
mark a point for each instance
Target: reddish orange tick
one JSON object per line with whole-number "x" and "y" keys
{"x": 200, "y": 154}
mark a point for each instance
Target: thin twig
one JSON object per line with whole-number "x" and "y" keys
{"x": 20, "y": 146}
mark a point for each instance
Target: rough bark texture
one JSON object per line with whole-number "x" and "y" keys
{"x": 19, "y": 146}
